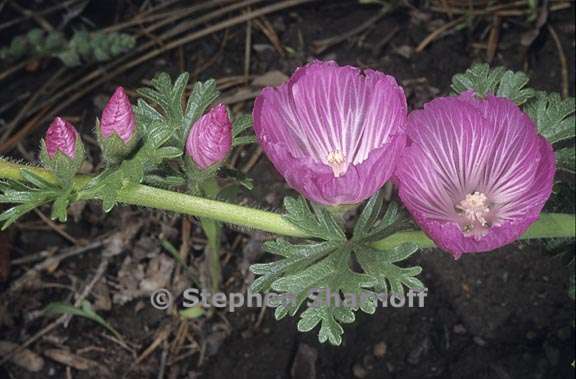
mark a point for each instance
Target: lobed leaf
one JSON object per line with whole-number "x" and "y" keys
{"x": 318, "y": 223}
{"x": 553, "y": 116}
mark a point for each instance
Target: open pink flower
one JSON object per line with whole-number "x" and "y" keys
{"x": 475, "y": 174}
{"x": 117, "y": 117}
{"x": 210, "y": 138}
{"x": 61, "y": 136}
{"x": 333, "y": 132}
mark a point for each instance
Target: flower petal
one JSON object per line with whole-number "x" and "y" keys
{"x": 322, "y": 126}
{"x": 463, "y": 145}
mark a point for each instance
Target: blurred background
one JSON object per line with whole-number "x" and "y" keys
{"x": 506, "y": 314}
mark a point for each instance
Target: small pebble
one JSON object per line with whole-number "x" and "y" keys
{"x": 479, "y": 341}
{"x": 459, "y": 329}
{"x": 359, "y": 371}
{"x": 380, "y": 349}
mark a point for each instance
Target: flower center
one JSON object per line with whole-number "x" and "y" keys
{"x": 337, "y": 162}
{"x": 475, "y": 210}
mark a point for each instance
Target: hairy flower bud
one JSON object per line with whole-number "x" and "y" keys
{"x": 116, "y": 130}
{"x": 118, "y": 118}
{"x": 210, "y": 138}
{"x": 62, "y": 150}
{"x": 61, "y": 136}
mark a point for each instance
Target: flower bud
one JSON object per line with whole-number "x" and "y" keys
{"x": 210, "y": 138}
{"x": 117, "y": 129}
{"x": 62, "y": 150}
{"x": 61, "y": 136}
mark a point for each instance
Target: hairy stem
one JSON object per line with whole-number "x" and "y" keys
{"x": 213, "y": 231}
{"x": 550, "y": 225}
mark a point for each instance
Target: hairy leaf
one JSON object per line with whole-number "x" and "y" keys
{"x": 553, "y": 116}
{"x": 498, "y": 81}
{"x": 566, "y": 159}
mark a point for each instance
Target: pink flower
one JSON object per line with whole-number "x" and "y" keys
{"x": 333, "y": 132}
{"x": 476, "y": 174}
{"x": 61, "y": 136}
{"x": 117, "y": 117}
{"x": 210, "y": 138}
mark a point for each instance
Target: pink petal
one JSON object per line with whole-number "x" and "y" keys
{"x": 326, "y": 110}
{"x": 210, "y": 138}
{"x": 461, "y": 145}
{"x": 61, "y": 136}
{"x": 117, "y": 117}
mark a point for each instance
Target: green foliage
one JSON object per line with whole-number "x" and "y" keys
{"x": 85, "y": 310}
{"x": 322, "y": 270}
{"x": 241, "y": 130}
{"x": 553, "y": 116}
{"x": 82, "y": 47}
{"x": 152, "y": 152}
{"x": 498, "y": 81}
{"x": 203, "y": 94}
{"x": 163, "y": 104}
{"x": 566, "y": 159}
{"x": 31, "y": 193}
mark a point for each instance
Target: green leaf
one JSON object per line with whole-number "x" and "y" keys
{"x": 36, "y": 180}
{"x": 85, "y": 311}
{"x": 164, "y": 182}
{"x": 168, "y": 97}
{"x": 11, "y": 215}
{"x": 479, "y": 78}
{"x": 391, "y": 222}
{"x": 59, "y": 208}
{"x": 27, "y": 194}
{"x": 82, "y": 47}
{"x": 242, "y": 123}
{"x": 146, "y": 114}
{"x": 328, "y": 281}
{"x": 203, "y": 94}
{"x": 318, "y": 223}
{"x": 10, "y": 196}
{"x": 566, "y": 159}
{"x": 168, "y": 152}
{"x": 512, "y": 86}
{"x": 368, "y": 216}
{"x": 553, "y": 116}
{"x": 390, "y": 278}
{"x": 323, "y": 271}
{"x": 245, "y": 140}
{"x": 297, "y": 257}
{"x": 498, "y": 81}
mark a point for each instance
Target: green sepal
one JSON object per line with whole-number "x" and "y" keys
{"x": 61, "y": 165}
{"x": 196, "y": 176}
{"x": 114, "y": 149}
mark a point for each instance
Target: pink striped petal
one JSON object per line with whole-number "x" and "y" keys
{"x": 329, "y": 127}
{"x": 476, "y": 174}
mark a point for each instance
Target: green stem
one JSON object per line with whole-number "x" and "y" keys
{"x": 550, "y": 225}
{"x": 213, "y": 231}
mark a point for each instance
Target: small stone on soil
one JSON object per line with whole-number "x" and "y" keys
{"x": 380, "y": 349}
{"x": 459, "y": 329}
{"x": 359, "y": 371}
{"x": 479, "y": 341}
